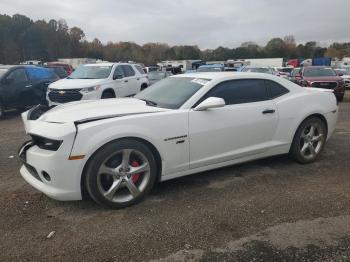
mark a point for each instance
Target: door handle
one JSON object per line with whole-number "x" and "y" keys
{"x": 268, "y": 111}
{"x": 27, "y": 86}
{"x": 138, "y": 78}
{"x": 125, "y": 81}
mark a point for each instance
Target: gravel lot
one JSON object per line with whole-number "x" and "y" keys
{"x": 268, "y": 210}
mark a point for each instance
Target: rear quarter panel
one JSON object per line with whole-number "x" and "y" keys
{"x": 294, "y": 109}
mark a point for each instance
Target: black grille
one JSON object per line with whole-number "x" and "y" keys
{"x": 65, "y": 96}
{"x": 329, "y": 85}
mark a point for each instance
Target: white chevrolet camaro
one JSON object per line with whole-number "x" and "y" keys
{"x": 115, "y": 150}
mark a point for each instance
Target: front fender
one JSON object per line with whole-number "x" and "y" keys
{"x": 162, "y": 131}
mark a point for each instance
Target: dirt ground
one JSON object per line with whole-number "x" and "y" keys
{"x": 268, "y": 210}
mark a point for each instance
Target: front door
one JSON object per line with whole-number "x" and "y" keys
{"x": 245, "y": 126}
{"x": 15, "y": 85}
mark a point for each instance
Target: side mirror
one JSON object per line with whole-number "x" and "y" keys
{"x": 340, "y": 74}
{"x": 117, "y": 77}
{"x": 210, "y": 102}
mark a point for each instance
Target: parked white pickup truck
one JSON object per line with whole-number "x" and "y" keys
{"x": 98, "y": 81}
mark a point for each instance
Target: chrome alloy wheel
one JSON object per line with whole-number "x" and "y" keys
{"x": 123, "y": 176}
{"x": 311, "y": 140}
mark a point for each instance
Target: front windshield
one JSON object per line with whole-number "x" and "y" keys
{"x": 209, "y": 69}
{"x": 91, "y": 72}
{"x": 318, "y": 71}
{"x": 295, "y": 72}
{"x": 156, "y": 75}
{"x": 256, "y": 70}
{"x": 3, "y": 71}
{"x": 171, "y": 92}
{"x": 285, "y": 70}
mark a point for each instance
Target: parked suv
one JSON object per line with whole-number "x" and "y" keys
{"x": 98, "y": 81}
{"x": 22, "y": 86}
{"x": 322, "y": 77}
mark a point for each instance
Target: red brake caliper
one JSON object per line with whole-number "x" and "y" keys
{"x": 135, "y": 177}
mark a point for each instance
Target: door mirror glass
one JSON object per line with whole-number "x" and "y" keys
{"x": 210, "y": 102}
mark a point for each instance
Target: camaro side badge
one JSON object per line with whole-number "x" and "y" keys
{"x": 175, "y": 138}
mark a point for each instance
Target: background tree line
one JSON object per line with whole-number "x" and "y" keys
{"x": 24, "y": 39}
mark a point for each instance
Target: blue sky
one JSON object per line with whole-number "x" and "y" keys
{"x": 206, "y": 23}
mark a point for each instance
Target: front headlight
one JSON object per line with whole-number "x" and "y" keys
{"x": 90, "y": 89}
{"x": 46, "y": 143}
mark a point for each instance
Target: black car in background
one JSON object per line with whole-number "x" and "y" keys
{"x": 23, "y": 86}
{"x": 59, "y": 70}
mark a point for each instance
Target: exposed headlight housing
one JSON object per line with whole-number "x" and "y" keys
{"x": 90, "y": 89}
{"x": 46, "y": 143}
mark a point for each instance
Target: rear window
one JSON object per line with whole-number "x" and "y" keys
{"x": 37, "y": 73}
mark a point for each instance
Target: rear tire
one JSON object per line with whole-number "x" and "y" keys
{"x": 121, "y": 173}
{"x": 108, "y": 94}
{"x": 309, "y": 140}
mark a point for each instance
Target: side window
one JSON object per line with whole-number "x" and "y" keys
{"x": 139, "y": 68}
{"x": 275, "y": 89}
{"x": 118, "y": 72}
{"x": 239, "y": 91}
{"x": 36, "y": 73}
{"x": 128, "y": 70}
{"x": 18, "y": 76}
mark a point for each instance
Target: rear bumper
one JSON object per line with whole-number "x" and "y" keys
{"x": 332, "y": 119}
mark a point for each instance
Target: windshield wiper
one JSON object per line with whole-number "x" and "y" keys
{"x": 149, "y": 102}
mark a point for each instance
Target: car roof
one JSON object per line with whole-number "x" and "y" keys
{"x": 212, "y": 65}
{"x": 107, "y": 64}
{"x": 8, "y": 66}
{"x": 225, "y": 75}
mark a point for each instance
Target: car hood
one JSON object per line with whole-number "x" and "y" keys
{"x": 90, "y": 110}
{"x": 75, "y": 83}
{"x": 323, "y": 78}
{"x": 346, "y": 76}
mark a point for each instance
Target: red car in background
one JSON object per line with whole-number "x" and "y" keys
{"x": 322, "y": 77}
{"x": 67, "y": 67}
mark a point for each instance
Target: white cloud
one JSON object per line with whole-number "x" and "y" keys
{"x": 207, "y": 23}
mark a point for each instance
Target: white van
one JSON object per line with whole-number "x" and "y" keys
{"x": 98, "y": 81}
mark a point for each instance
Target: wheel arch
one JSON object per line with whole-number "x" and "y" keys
{"x": 144, "y": 86}
{"x": 317, "y": 115}
{"x": 111, "y": 90}
{"x": 153, "y": 149}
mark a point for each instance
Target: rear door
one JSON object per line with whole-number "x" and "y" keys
{"x": 245, "y": 126}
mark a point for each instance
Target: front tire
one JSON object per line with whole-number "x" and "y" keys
{"x": 309, "y": 140}
{"x": 121, "y": 173}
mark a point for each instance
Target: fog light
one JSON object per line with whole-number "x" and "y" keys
{"x": 46, "y": 176}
